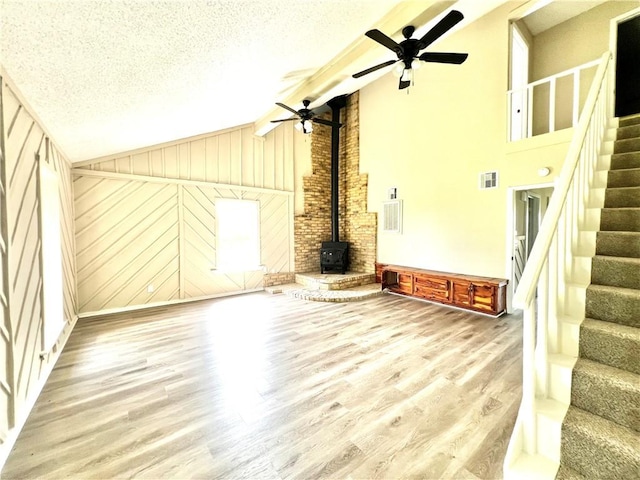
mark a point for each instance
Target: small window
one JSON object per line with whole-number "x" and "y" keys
{"x": 392, "y": 216}
{"x": 238, "y": 235}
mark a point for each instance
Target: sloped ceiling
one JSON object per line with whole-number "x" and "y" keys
{"x": 107, "y": 76}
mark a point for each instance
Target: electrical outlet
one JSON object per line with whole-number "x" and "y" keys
{"x": 150, "y": 289}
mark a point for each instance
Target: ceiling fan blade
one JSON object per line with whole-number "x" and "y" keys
{"x": 384, "y": 40}
{"x": 373, "y": 69}
{"x": 284, "y": 120}
{"x": 403, "y": 84}
{"x": 322, "y": 121}
{"x": 443, "y": 26}
{"x": 441, "y": 57}
{"x": 287, "y": 108}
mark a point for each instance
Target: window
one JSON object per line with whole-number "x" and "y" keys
{"x": 238, "y": 235}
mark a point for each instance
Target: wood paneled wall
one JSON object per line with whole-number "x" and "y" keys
{"x": 231, "y": 157}
{"x": 24, "y": 366}
{"x": 148, "y": 218}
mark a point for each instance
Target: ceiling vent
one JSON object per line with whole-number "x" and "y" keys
{"x": 488, "y": 180}
{"x": 392, "y": 216}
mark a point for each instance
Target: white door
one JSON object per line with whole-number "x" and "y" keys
{"x": 519, "y": 80}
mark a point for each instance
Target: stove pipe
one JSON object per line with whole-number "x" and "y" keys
{"x": 336, "y": 104}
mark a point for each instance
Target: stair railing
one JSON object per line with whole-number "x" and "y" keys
{"x": 541, "y": 289}
{"x": 527, "y": 93}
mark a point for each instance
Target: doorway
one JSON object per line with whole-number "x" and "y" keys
{"x": 527, "y": 206}
{"x": 627, "y": 57}
{"x": 519, "y": 76}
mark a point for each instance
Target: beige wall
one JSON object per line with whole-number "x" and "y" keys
{"x": 147, "y": 218}
{"x": 576, "y": 41}
{"x": 433, "y": 141}
{"x": 23, "y": 370}
{"x": 572, "y": 43}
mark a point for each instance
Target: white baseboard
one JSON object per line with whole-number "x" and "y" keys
{"x": 133, "y": 308}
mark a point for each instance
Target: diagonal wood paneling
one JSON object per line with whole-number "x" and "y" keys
{"x": 126, "y": 240}
{"x": 6, "y": 329}
{"x": 198, "y": 206}
{"x": 275, "y": 234}
{"x": 25, "y": 370}
{"x": 134, "y": 233}
{"x": 110, "y": 208}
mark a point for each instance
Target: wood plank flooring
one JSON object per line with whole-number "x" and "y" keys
{"x": 266, "y": 386}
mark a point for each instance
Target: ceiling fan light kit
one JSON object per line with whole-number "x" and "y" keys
{"x": 304, "y": 126}
{"x": 408, "y": 50}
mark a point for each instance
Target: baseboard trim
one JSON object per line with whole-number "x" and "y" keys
{"x": 134, "y": 308}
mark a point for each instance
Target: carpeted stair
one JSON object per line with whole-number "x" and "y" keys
{"x": 601, "y": 431}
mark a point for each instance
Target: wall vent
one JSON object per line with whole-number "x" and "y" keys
{"x": 392, "y": 216}
{"x": 488, "y": 180}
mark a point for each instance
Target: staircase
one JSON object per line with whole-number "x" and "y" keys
{"x": 601, "y": 432}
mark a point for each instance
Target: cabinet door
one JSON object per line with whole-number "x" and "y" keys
{"x": 483, "y": 297}
{"x": 405, "y": 283}
{"x": 461, "y": 294}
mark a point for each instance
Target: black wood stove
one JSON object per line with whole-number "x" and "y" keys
{"x": 334, "y": 255}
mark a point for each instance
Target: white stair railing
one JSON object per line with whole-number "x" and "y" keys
{"x": 525, "y": 95}
{"x": 540, "y": 293}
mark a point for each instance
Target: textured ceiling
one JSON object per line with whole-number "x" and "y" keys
{"x": 109, "y": 76}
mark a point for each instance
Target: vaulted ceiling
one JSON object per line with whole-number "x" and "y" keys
{"x": 107, "y": 76}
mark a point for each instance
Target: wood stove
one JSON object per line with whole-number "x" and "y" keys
{"x": 334, "y": 255}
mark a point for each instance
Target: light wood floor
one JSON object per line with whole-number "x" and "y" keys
{"x": 265, "y": 386}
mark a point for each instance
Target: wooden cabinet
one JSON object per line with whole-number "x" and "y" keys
{"x": 482, "y": 294}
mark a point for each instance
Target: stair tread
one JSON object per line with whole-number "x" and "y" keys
{"x": 627, "y": 188}
{"x": 618, "y": 243}
{"x": 618, "y": 259}
{"x": 615, "y": 271}
{"x": 597, "y": 447}
{"x": 630, "y": 292}
{"x": 612, "y": 328}
{"x": 614, "y": 304}
{"x": 607, "y": 391}
{"x": 624, "y": 438}
{"x": 610, "y": 343}
{"x": 627, "y": 169}
{"x": 622, "y": 378}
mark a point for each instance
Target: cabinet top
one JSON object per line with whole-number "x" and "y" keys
{"x": 470, "y": 278}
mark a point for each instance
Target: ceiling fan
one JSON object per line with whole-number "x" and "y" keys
{"x": 306, "y": 116}
{"x": 408, "y": 50}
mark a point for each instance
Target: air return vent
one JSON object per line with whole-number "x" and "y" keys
{"x": 488, "y": 180}
{"x": 392, "y": 216}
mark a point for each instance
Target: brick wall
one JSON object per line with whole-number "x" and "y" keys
{"x": 361, "y": 226}
{"x": 357, "y": 225}
{"x": 272, "y": 279}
